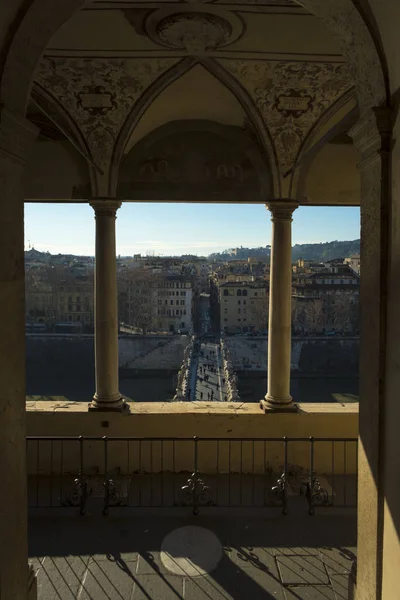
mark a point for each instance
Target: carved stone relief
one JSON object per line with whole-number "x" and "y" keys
{"x": 99, "y": 94}
{"x": 291, "y": 97}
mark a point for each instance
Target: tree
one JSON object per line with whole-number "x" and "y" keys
{"x": 314, "y": 314}
{"x": 142, "y": 298}
{"x": 343, "y": 312}
{"x": 259, "y": 312}
{"x": 298, "y": 315}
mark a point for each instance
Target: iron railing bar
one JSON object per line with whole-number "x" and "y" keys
{"x": 37, "y": 473}
{"x": 189, "y": 439}
{"x": 333, "y": 473}
{"x": 345, "y": 475}
{"x": 162, "y": 472}
{"x": 51, "y": 473}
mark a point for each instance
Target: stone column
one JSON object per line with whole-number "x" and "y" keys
{"x": 107, "y": 396}
{"x": 280, "y": 296}
{"x": 16, "y": 138}
{"x": 378, "y": 455}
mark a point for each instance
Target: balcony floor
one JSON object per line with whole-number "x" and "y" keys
{"x": 266, "y": 557}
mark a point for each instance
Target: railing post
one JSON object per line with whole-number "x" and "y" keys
{"x": 195, "y": 477}
{"x": 311, "y": 483}
{"x": 285, "y": 508}
{"x": 82, "y": 480}
{"x": 106, "y": 482}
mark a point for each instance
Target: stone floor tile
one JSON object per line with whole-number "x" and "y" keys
{"x": 149, "y": 563}
{"x": 317, "y": 592}
{"x": 105, "y": 580}
{"x": 247, "y": 557}
{"x": 155, "y": 587}
{"x": 59, "y": 577}
{"x": 294, "y": 550}
{"x": 234, "y": 584}
{"x": 338, "y": 560}
{"x": 302, "y": 569}
{"x": 340, "y": 583}
{"x": 204, "y": 588}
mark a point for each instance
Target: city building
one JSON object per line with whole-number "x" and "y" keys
{"x": 243, "y": 306}
{"x": 326, "y": 301}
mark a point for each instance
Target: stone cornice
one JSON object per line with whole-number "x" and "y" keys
{"x": 105, "y": 207}
{"x": 281, "y": 210}
{"x": 16, "y": 136}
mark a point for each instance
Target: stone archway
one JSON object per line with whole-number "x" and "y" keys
{"x": 372, "y": 135}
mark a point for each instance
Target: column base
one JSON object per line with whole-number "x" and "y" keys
{"x": 108, "y": 405}
{"x": 269, "y": 404}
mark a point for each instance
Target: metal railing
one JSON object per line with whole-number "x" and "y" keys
{"x": 97, "y": 473}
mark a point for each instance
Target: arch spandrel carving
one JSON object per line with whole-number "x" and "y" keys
{"x": 195, "y": 161}
{"x": 99, "y": 94}
{"x": 344, "y": 21}
{"x": 291, "y": 97}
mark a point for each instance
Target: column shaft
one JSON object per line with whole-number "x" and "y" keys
{"x": 15, "y": 138}
{"x": 107, "y": 396}
{"x": 280, "y": 293}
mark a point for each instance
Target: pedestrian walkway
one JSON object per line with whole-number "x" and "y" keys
{"x": 210, "y": 382}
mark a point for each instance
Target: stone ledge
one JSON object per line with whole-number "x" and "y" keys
{"x": 153, "y": 408}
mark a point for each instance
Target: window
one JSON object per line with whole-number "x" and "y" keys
{"x": 238, "y": 301}
{"x": 184, "y": 311}
{"x": 239, "y": 293}
{"x": 256, "y": 293}
{"x": 238, "y": 311}
{"x": 244, "y": 293}
{"x": 177, "y": 312}
{"x": 244, "y": 301}
{"x": 226, "y": 293}
{"x": 177, "y": 302}
{"x": 225, "y": 310}
{"x": 238, "y": 319}
{"x": 225, "y": 320}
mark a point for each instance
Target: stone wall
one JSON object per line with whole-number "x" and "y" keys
{"x": 319, "y": 355}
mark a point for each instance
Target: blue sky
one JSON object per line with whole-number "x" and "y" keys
{"x": 181, "y": 228}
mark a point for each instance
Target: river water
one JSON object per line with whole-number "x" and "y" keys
{"x": 160, "y": 389}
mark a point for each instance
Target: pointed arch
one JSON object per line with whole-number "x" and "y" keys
{"x": 167, "y": 79}
{"x": 55, "y": 111}
{"x": 307, "y": 148}
{"x": 139, "y": 109}
{"x": 350, "y": 24}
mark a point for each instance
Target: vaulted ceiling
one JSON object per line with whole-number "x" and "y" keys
{"x": 119, "y": 70}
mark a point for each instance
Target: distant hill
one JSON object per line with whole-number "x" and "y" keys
{"x": 325, "y": 250}
{"x": 318, "y": 252}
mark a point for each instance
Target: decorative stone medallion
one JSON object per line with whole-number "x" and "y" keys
{"x": 195, "y": 29}
{"x": 194, "y": 32}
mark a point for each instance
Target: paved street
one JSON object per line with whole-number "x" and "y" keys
{"x": 210, "y": 382}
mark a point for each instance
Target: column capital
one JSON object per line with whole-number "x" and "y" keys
{"x": 17, "y": 134}
{"x": 105, "y": 207}
{"x": 281, "y": 210}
